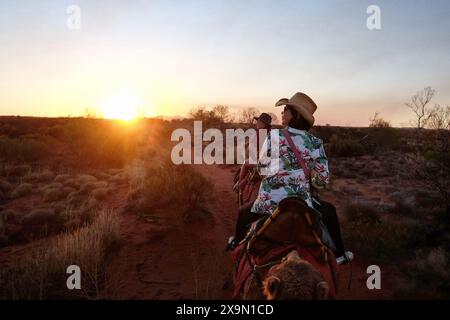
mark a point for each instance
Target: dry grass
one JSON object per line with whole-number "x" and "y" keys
{"x": 41, "y": 272}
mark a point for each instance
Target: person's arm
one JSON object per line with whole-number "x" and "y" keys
{"x": 319, "y": 173}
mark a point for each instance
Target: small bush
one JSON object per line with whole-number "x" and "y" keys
{"x": 18, "y": 171}
{"x": 344, "y": 147}
{"x": 361, "y": 213}
{"x": 374, "y": 238}
{"x": 53, "y": 185}
{"x": 72, "y": 183}
{"x": 101, "y": 184}
{"x": 404, "y": 203}
{"x": 120, "y": 178}
{"x": 54, "y": 194}
{"x": 384, "y": 241}
{"x": 8, "y": 215}
{"x": 5, "y": 186}
{"x": 180, "y": 188}
{"x": 40, "y": 176}
{"x": 87, "y": 187}
{"x": 75, "y": 198}
{"x": 22, "y": 190}
{"x": 85, "y": 178}
{"x": 62, "y": 178}
{"x": 39, "y": 216}
{"x": 23, "y": 149}
{"x": 100, "y": 193}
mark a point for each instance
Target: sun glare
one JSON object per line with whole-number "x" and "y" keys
{"x": 122, "y": 105}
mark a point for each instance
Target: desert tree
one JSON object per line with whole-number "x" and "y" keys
{"x": 248, "y": 114}
{"x": 419, "y": 105}
{"x": 377, "y": 122}
{"x": 90, "y": 113}
{"x": 216, "y": 115}
{"x": 439, "y": 118}
{"x": 222, "y": 113}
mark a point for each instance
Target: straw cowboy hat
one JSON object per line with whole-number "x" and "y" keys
{"x": 301, "y": 103}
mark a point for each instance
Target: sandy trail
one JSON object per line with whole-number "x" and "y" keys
{"x": 161, "y": 259}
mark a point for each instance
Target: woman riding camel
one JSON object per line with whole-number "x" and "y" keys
{"x": 247, "y": 180}
{"x": 292, "y": 178}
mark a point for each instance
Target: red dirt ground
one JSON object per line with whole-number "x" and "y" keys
{"x": 161, "y": 259}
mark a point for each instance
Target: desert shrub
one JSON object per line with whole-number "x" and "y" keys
{"x": 53, "y": 185}
{"x": 405, "y": 203}
{"x": 55, "y": 194}
{"x": 5, "y": 186}
{"x": 428, "y": 274}
{"x": 180, "y": 188}
{"x": 22, "y": 190}
{"x": 41, "y": 217}
{"x": 383, "y": 240}
{"x": 100, "y": 193}
{"x": 18, "y": 171}
{"x": 101, "y": 175}
{"x": 38, "y": 223}
{"x": 95, "y": 143}
{"x": 72, "y": 183}
{"x": 341, "y": 146}
{"x": 85, "y": 178}
{"x": 62, "y": 178}
{"x": 75, "y": 198}
{"x": 101, "y": 184}
{"x": 120, "y": 178}
{"x": 41, "y": 272}
{"x": 87, "y": 187}
{"x": 382, "y": 139}
{"x": 8, "y": 215}
{"x": 22, "y": 150}
{"x": 40, "y": 176}
{"x": 359, "y": 212}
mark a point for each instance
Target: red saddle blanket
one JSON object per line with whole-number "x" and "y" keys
{"x": 244, "y": 269}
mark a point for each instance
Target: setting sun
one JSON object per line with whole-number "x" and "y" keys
{"x": 122, "y": 105}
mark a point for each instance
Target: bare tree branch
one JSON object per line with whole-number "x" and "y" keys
{"x": 418, "y": 105}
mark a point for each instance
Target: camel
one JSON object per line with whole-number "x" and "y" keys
{"x": 304, "y": 276}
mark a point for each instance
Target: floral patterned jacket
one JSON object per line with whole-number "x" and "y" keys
{"x": 289, "y": 180}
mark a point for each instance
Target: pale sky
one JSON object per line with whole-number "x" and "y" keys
{"x": 169, "y": 56}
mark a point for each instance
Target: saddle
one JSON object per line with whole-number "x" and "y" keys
{"x": 293, "y": 225}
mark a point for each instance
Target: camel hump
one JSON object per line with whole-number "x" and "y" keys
{"x": 294, "y": 222}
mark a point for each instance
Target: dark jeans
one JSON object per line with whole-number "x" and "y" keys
{"x": 245, "y": 218}
{"x": 329, "y": 217}
{"x": 331, "y": 221}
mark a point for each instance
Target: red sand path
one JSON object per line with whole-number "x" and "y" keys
{"x": 162, "y": 259}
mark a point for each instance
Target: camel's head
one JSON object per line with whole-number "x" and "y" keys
{"x": 294, "y": 278}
